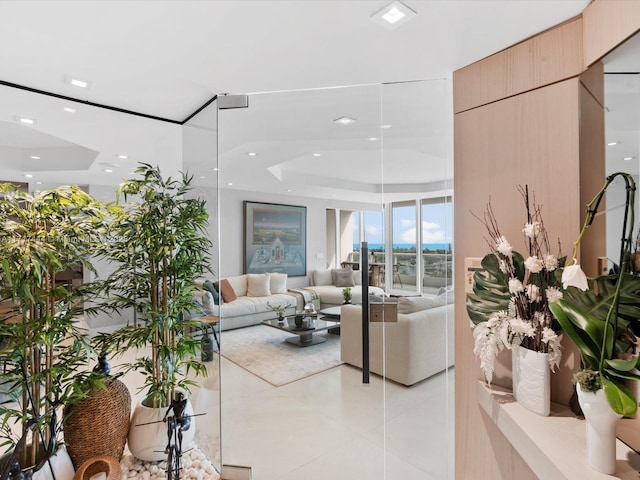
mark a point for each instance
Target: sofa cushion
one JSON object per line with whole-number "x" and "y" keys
{"x": 210, "y": 287}
{"x": 322, "y": 277}
{"x": 258, "y": 285}
{"x": 415, "y": 304}
{"x": 239, "y": 284}
{"x": 278, "y": 283}
{"x": 226, "y": 290}
{"x": 343, "y": 278}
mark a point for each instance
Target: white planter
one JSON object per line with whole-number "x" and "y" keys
{"x": 531, "y": 379}
{"x": 148, "y": 439}
{"x": 601, "y": 423}
{"x": 62, "y": 467}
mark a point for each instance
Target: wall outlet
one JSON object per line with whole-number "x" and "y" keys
{"x": 603, "y": 265}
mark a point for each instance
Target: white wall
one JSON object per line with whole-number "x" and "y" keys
{"x": 232, "y": 228}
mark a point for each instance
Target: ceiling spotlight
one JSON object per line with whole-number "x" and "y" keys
{"x": 28, "y": 175}
{"x": 26, "y": 121}
{"x": 252, "y": 154}
{"x": 76, "y": 82}
{"x": 628, "y": 158}
{"x": 393, "y": 15}
{"x": 38, "y": 183}
{"x": 611, "y": 144}
{"x": 122, "y": 157}
{"x": 69, "y": 110}
{"x": 108, "y": 170}
{"x": 202, "y": 176}
{"x": 385, "y": 126}
{"x": 317, "y": 154}
{"x": 215, "y": 169}
{"x": 229, "y": 184}
{"x": 372, "y": 139}
{"x": 345, "y": 120}
{"x": 35, "y": 157}
{"x": 288, "y": 190}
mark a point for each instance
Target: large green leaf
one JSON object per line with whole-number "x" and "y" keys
{"x": 490, "y": 290}
{"x": 620, "y": 398}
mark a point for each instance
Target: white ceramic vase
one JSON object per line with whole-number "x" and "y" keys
{"x": 62, "y": 467}
{"x": 601, "y": 423}
{"x": 531, "y": 379}
{"x": 148, "y": 438}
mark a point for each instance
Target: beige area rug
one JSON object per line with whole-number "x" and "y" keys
{"x": 263, "y": 351}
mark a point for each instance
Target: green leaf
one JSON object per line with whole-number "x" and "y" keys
{"x": 620, "y": 398}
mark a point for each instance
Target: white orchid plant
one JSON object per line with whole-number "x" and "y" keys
{"x": 601, "y": 314}
{"x": 511, "y": 294}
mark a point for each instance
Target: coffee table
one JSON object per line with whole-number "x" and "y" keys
{"x": 304, "y": 335}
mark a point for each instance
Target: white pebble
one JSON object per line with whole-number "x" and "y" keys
{"x": 153, "y": 468}
{"x": 146, "y": 474}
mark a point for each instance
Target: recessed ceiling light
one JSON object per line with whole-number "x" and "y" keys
{"x": 611, "y": 144}
{"x": 628, "y": 158}
{"x": 317, "y": 154}
{"x": 76, "y": 82}
{"x": 252, "y": 154}
{"x": 38, "y": 183}
{"x": 122, "y": 156}
{"x": 229, "y": 184}
{"x": 393, "y": 15}
{"x": 385, "y": 126}
{"x": 69, "y": 110}
{"x": 202, "y": 176}
{"x": 26, "y": 120}
{"x": 345, "y": 120}
{"x": 28, "y": 175}
{"x": 215, "y": 169}
{"x": 108, "y": 170}
{"x": 372, "y": 139}
{"x": 35, "y": 157}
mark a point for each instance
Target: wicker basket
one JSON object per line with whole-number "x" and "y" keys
{"x": 99, "y": 424}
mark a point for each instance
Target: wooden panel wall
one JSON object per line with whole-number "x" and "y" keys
{"x": 549, "y": 57}
{"x": 608, "y": 23}
{"x": 527, "y": 139}
{"x": 550, "y": 137}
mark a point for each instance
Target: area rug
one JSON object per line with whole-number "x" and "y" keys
{"x": 263, "y": 351}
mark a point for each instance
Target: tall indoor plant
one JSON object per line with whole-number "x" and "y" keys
{"x": 44, "y": 352}
{"x": 159, "y": 246}
{"x": 601, "y": 317}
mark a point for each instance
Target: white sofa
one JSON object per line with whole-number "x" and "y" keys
{"x": 418, "y": 345}
{"x": 329, "y": 283}
{"x": 255, "y": 295}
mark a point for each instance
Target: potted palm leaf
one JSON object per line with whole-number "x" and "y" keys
{"x": 44, "y": 351}
{"x": 159, "y": 246}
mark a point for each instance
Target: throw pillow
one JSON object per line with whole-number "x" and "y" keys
{"x": 415, "y": 304}
{"x": 447, "y": 294}
{"x": 336, "y": 271}
{"x": 258, "y": 285}
{"x": 343, "y": 278}
{"x": 210, "y": 287}
{"x": 322, "y": 277}
{"x": 226, "y": 291}
{"x": 278, "y": 283}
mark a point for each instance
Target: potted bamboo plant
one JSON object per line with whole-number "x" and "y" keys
{"x": 159, "y": 247}
{"x": 45, "y": 354}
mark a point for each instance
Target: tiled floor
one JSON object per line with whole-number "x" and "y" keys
{"x": 331, "y": 426}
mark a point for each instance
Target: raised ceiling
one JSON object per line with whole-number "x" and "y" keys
{"x": 166, "y": 58}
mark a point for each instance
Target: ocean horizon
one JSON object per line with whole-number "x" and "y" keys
{"x": 405, "y": 246}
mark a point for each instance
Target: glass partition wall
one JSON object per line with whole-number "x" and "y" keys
{"x": 367, "y": 164}
{"x": 74, "y": 143}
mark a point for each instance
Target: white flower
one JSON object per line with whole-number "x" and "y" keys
{"x": 533, "y": 292}
{"x": 550, "y": 262}
{"x": 521, "y": 328}
{"x": 573, "y": 276}
{"x": 553, "y": 294}
{"x": 534, "y": 264}
{"x": 490, "y": 339}
{"x": 503, "y": 265}
{"x": 503, "y": 246}
{"x": 515, "y": 286}
{"x": 531, "y": 230}
{"x": 555, "y": 350}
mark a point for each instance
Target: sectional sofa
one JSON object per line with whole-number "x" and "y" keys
{"x": 329, "y": 283}
{"x": 418, "y": 345}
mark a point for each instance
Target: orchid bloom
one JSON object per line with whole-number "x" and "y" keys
{"x": 574, "y": 276}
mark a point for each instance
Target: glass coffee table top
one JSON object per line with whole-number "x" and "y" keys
{"x": 304, "y": 333}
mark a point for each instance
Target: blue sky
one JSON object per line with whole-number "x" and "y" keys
{"x": 437, "y": 225}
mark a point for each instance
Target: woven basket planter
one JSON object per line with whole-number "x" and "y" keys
{"x": 99, "y": 424}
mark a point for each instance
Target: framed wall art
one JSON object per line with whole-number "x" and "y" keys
{"x": 275, "y": 238}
